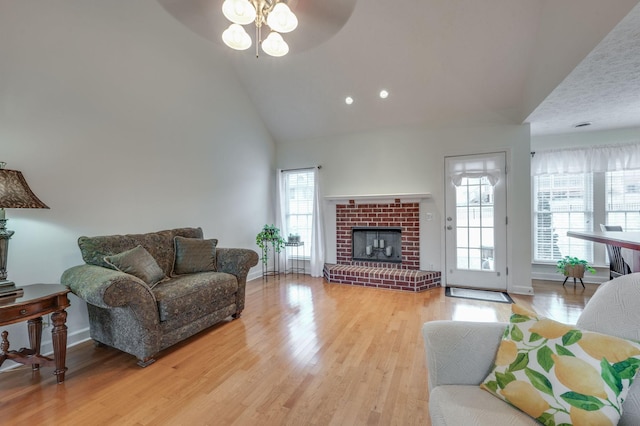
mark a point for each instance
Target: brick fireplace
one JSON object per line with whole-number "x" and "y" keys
{"x": 403, "y": 275}
{"x": 405, "y": 216}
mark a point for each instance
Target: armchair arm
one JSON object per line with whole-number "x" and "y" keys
{"x": 237, "y": 261}
{"x": 108, "y": 288}
{"x": 460, "y": 352}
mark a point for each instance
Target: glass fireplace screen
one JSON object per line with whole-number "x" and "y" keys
{"x": 377, "y": 244}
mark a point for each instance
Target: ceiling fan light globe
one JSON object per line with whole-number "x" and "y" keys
{"x": 236, "y": 37}
{"x": 239, "y": 11}
{"x": 275, "y": 45}
{"x": 282, "y": 19}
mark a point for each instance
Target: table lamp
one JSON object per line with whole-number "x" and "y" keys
{"x": 14, "y": 194}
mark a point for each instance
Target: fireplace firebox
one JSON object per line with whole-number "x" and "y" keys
{"x": 376, "y": 244}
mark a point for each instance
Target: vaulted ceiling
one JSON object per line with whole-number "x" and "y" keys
{"x": 552, "y": 63}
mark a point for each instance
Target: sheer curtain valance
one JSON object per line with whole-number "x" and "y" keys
{"x": 475, "y": 168}
{"x": 606, "y": 158}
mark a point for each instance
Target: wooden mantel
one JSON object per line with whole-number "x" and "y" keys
{"x": 379, "y": 198}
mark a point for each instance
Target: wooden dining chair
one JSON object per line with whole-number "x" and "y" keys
{"x": 617, "y": 265}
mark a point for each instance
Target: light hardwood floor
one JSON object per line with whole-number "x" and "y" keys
{"x": 303, "y": 353}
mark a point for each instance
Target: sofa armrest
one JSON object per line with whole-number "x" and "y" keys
{"x": 236, "y": 261}
{"x": 108, "y": 288}
{"x": 460, "y": 352}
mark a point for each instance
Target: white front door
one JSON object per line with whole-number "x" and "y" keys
{"x": 476, "y": 221}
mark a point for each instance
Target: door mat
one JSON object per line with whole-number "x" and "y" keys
{"x": 489, "y": 296}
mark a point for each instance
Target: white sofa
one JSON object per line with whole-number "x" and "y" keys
{"x": 460, "y": 355}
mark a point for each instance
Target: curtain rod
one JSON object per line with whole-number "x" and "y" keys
{"x": 301, "y": 168}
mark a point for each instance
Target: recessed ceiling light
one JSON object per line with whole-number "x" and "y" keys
{"x": 384, "y": 94}
{"x": 583, "y": 124}
{"x": 348, "y": 100}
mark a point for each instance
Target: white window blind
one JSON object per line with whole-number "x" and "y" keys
{"x": 623, "y": 199}
{"x": 299, "y": 189}
{"x": 562, "y": 203}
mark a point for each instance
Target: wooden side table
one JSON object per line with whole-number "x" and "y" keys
{"x": 36, "y": 301}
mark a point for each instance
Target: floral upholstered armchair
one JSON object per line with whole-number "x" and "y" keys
{"x": 146, "y": 292}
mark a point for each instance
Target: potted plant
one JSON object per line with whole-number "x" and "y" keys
{"x": 573, "y": 267}
{"x": 269, "y": 236}
{"x": 293, "y": 238}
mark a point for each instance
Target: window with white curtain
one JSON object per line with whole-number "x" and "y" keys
{"x": 562, "y": 203}
{"x": 298, "y": 205}
{"x": 578, "y": 189}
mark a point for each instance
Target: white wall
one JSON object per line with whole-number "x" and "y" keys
{"x": 122, "y": 121}
{"x": 411, "y": 160}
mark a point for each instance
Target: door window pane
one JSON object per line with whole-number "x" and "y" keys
{"x": 487, "y": 215}
{"x": 463, "y": 239}
{"x": 463, "y": 258}
{"x": 474, "y": 224}
{"x": 461, "y": 216}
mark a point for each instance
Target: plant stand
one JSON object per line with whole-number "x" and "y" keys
{"x": 295, "y": 259}
{"x": 576, "y": 271}
{"x": 270, "y": 267}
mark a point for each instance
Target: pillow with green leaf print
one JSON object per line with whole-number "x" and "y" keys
{"x": 559, "y": 374}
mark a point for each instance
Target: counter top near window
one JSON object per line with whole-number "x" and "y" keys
{"x": 630, "y": 240}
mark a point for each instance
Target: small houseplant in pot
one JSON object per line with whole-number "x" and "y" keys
{"x": 269, "y": 236}
{"x": 574, "y": 268}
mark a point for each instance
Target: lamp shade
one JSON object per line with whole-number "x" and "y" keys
{"x": 282, "y": 19}
{"x": 15, "y": 192}
{"x": 275, "y": 45}
{"x": 236, "y": 37}
{"x": 239, "y": 11}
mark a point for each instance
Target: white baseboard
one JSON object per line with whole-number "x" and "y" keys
{"x": 254, "y": 275}
{"x": 588, "y": 278}
{"x": 520, "y": 289}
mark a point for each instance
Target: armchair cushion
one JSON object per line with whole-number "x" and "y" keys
{"x": 194, "y": 255}
{"x": 158, "y": 244}
{"x": 195, "y": 294}
{"x": 454, "y": 405}
{"x": 558, "y": 373}
{"x": 137, "y": 262}
{"x": 460, "y": 352}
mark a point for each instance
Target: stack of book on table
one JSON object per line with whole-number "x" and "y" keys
{"x": 8, "y": 289}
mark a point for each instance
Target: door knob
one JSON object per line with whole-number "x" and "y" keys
{"x": 449, "y": 227}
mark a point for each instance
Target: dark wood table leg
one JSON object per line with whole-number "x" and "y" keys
{"x": 59, "y": 338}
{"x": 35, "y": 337}
{"x": 4, "y": 347}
